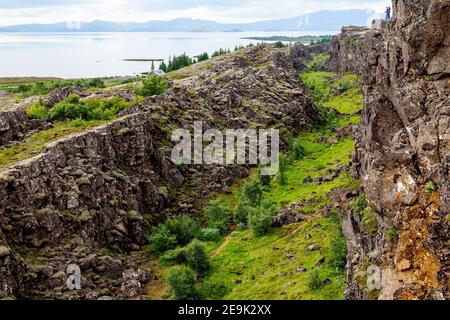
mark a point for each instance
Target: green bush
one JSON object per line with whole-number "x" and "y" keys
{"x": 360, "y": 204}
{"x": 38, "y": 111}
{"x": 242, "y": 213}
{"x": 369, "y": 222}
{"x": 96, "y": 83}
{"x": 152, "y": 86}
{"x": 161, "y": 240}
{"x": 431, "y": 187}
{"x": 392, "y": 234}
{"x": 279, "y": 44}
{"x": 184, "y": 228}
{"x": 344, "y": 85}
{"x": 252, "y": 194}
{"x": 196, "y": 258}
{"x": 175, "y": 256}
{"x": 71, "y": 108}
{"x": 260, "y": 218}
{"x": 219, "y": 217}
{"x": 338, "y": 254}
{"x": 265, "y": 180}
{"x": 74, "y": 108}
{"x": 297, "y": 151}
{"x": 182, "y": 283}
{"x": 105, "y": 109}
{"x": 282, "y": 179}
{"x": 315, "y": 282}
{"x": 209, "y": 234}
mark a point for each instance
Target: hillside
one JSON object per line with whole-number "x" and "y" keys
{"x": 359, "y": 209}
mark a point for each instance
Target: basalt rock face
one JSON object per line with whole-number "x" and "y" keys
{"x": 15, "y": 125}
{"x": 60, "y": 94}
{"x": 257, "y": 88}
{"x": 83, "y": 193}
{"x": 403, "y": 148}
{"x": 103, "y": 189}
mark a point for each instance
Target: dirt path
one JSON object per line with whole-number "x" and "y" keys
{"x": 221, "y": 247}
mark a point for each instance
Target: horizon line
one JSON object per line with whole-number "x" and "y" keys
{"x": 180, "y": 18}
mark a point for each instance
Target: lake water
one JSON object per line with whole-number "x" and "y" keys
{"x": 77, "y": 55}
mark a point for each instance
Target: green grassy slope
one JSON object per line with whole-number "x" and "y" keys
{"x": 279, "y": 265}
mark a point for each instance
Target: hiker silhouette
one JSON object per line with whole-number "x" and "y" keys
{"x": 388, "y": 13}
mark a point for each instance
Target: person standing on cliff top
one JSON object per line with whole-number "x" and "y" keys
{"x": 388, "y": 13}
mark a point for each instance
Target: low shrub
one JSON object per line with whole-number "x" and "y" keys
{"x": 338, "y": 254}
{"x": 315, "y": 282}
{"x": 175, "y": 256}
{"x": 369, "y": 222}
{"x": 184, "y": 229}
{"x": 74, "y": 108}
{"x": 260, "y": 218}
{"x": 182, "y": 283}
{"x": 282, "y": 179}
{"x": 431, "y": 187}
{"x": 297, "y": 151}
{"x": 392, "y": 234}
{"x": 196, "y": 258}
{"x": 241, "y": 216}
{"x": 161, "y": 240}
{"x": 265, "y": 180}
{"x": 209, "y": 234}
{"x": 360, "y": 204}
{"x": 154, "y": 85}
{"x": 95, "y": 83}
{"x": 38, "y": 111}
{"x": 219, "y": 217}
{"x": 252, "y": 194}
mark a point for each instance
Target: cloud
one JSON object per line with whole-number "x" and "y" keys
{"x": 22, "y": 4}
{"x": 48, "y": 11}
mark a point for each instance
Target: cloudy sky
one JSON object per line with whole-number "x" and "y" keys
{"x": 48, "y": 11}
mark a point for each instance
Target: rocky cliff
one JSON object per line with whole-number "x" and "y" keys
{"x": 403, "y": 149}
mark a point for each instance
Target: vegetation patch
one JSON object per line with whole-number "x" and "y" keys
{"x": 74, "y": 108}
{"x": 35, "y": 144}
{"x": 279, "y": 265}
{"x": 317, "y": 61}
{"x": 431, "y": 187}
{"x": 154, "y": 85}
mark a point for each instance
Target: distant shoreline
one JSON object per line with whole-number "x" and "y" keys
{"x": 307, "y": 38}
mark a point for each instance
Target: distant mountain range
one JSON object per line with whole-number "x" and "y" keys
{"x": 317, "y": 21}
